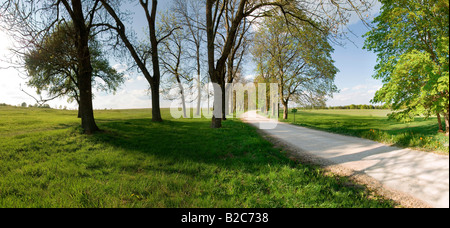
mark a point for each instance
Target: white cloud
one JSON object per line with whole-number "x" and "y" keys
{"x": 120, "y": 67}
{"x": 359, "y": 94}
{"x": 123, "y": 99}
{"x": 359, "y": 87}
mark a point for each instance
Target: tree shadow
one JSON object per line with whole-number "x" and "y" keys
{"x": 233, "y": 157}
{"x": 234, "y": 146}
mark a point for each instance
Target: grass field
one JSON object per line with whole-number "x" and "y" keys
{"x": 374, "y": 124}
{"x": 46, "y": 162}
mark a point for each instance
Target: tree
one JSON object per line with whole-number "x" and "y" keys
{"x": 146, "y": 55}
{"x": 173, "y": 54}
{"x": 411, "y": 40}
{"x": 31, "y": 20}
{"x": 236, "y": 56}
{"x": 190, "y": 13}
{"x": 299, "y": 59}
{"x": 52, "y": 66}
{"x": 333, "y": 14}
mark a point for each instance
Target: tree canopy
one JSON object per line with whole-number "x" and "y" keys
{"x": 411, "y": 40}
{"x": 52, "y": 65}
{"x": 298, "y": 59}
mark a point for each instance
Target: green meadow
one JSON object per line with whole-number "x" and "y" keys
{"x": 45, "y": 161}
{"x": 421, "y": 134}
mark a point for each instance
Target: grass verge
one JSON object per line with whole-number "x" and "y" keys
{"x": 422, "y": 134}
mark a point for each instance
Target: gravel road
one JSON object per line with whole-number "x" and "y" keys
{"x": 422, "y": 175}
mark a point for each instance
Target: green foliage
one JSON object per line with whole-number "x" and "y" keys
{"x": 52, "y": 65}
{"x": 298, "y": 57}
{"x": 45, "y": 161}
{"x": 411, "y": 39}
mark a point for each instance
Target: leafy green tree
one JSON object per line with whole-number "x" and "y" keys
{"x": 52, "y": 66}
{"x": 333, "y": 14}
{"x": 32, "y": 21}
{"x": 299, "y": 59}
{"x": 411, "y": 38}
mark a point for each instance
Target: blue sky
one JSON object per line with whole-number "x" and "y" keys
{"x": 356, "y": 68}
{"x": 354, "y": 79}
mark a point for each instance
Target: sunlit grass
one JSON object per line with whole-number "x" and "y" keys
{"x": 45, "y": 161}
{"x": 421, "y": 134}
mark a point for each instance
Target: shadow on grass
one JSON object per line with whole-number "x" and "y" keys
{"x": 134, "y": 162}
{"x": 233, "y": 163}
{"x": 192, "y": 140}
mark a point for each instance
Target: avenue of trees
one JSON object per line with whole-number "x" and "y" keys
{"x": 298, "y": 59}
{"x": 288, "y": 40}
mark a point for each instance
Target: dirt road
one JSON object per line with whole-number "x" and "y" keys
{"x": 422, "y": 175}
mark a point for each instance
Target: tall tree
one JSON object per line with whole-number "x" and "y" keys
{"x": 32, "y": 19}
{"x": 411, "y": 40}
{"x": 144, "y": 57}
{"x": 334, "y": 14}
{"x": 299, "y": 59}
{"x": 190, "y": 13}
{"x": 174, "y": 53}
{"x": 52, "y": 66}
{"x": 238, "y": 51}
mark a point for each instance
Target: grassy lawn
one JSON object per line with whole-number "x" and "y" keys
{"x": 46, "y": 162}
{"x": 421, "y": 134}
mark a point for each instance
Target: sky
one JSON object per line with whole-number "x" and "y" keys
{"x": 354, "y": 80}
{"x": 356, "y": 67}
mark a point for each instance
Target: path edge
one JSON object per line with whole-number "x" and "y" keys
{"x": 401, "y": 199}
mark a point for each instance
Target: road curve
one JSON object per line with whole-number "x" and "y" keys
{"x": 422, "y": 175}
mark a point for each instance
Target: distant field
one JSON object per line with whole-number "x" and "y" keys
{"x": 373, "y": 124}
{"x": 46, "y": 162}
{"x": 352, "y": 112}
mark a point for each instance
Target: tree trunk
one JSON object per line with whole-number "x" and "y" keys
{"x": 217, "y": 69}
{"x": 286, "y": 110}
{"x": 199, "y": 80}
{"x": 85, "y": 69}
{"x": 183, "y": 99}
{"x": 268, "y": 102}
{"x": 151, "y": 18}
{"x": 447, "y": 127}
{"x": 79, "y": 107}
{"x": 156, "y": 110}
{"x": 87, "y": 114}
{"x": 441, "y": 129}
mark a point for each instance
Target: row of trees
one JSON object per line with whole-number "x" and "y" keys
{"x": 297, "y": 58}
{"x": 24, "y": 105}
{"x": 352, "y": 106}
{"x": 218, "y": 28}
